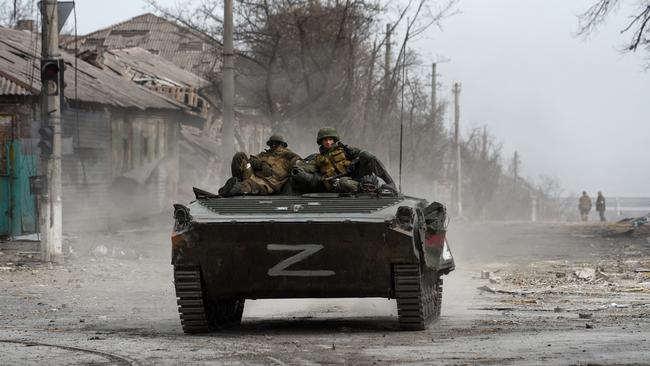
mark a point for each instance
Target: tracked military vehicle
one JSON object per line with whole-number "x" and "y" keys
{"x": 227, "y": 250}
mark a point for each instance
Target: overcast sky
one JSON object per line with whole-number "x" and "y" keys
{"x": 575, "y": 109}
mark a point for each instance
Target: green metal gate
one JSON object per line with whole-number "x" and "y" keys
{"x": 17, "y": 164}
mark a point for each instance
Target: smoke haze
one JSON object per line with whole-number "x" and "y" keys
{"x": 575, "y": 109}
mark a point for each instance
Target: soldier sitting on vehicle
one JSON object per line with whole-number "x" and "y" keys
{"x": 263, "y": 174}
{"x": 338, "y": 167}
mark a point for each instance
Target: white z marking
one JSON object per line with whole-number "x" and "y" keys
{"x": 306, "y": 250}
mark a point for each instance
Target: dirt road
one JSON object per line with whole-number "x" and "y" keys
{"x": 558, "y": 294}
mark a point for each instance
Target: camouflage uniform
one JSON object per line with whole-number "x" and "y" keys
{"x": 262, "y": 174}
{"x": 339, "y": 168}
{"x": 584, "y": 205}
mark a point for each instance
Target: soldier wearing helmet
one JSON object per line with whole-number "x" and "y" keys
{"x": 262, "y": 174}
{"x": 339, "y": 167}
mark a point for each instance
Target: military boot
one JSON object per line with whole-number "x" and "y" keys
{"x": 231, "y": 188}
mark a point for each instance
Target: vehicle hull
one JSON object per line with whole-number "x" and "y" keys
{"x": 295, "y": 260}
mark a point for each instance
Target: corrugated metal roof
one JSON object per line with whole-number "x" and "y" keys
{"x": 20, "y": 62}
{"x": 8, "y": 87}
{"x": 182, "y": 46}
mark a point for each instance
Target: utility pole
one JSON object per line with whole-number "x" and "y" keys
{"x": 515, "y": 167}
{"x": 533, "y": 210}
{"x": 228, "y": 88}
{"x": 434, "y": 99}
{"x": 50, "y": 131}
{"x": 434, "y": 119}
{"x": 459, "y": 193}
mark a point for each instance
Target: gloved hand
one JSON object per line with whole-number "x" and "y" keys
{"x": 266, "y": 169}
{"x": 256, "y": 163}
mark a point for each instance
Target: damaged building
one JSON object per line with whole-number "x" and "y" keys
{"x": 135, "y": 40}
{"x": 120, "y": 140}
{"x": 142, "y": 107}
{"x": 180, "y": 45}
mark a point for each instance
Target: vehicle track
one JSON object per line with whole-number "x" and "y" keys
{"x": 117, "y": 359}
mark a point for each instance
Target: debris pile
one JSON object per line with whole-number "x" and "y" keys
{"x": 637, "y": 221}
{"x": 552, "y": 281}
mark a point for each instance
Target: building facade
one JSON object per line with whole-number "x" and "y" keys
{"x": 120, "y": 142}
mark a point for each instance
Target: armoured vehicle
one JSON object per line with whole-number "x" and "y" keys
{"x": 227, "y": 250}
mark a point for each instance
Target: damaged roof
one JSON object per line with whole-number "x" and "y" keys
{"x": 137, "y": 63}
{"x": 180, "y": 45}
{"x": 20, "y": 65}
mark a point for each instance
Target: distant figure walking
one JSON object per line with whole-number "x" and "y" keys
{"x": 584, "y": 205}
{"x": 600, "y": 206}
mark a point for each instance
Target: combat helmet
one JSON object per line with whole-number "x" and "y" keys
{"x": 276, "y": 138}
{"x": 327, "y": 132}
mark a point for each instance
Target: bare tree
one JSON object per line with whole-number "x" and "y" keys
{"x": 311, "y": 63}
{"x": 638, "y": 25}
{"x": 12, "y": 11}
{"x": 424, "y": 136}
{"x": 552, "y": 201}
{"x": 481, "y": 163}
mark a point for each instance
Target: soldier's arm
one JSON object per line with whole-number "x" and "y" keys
{"x": 255, "y": 162}
{"x": 306, "y": 173}
{"x": 293, "y": 158}
{"x": 305, "y": 166}
{"x": 352, "y": 152}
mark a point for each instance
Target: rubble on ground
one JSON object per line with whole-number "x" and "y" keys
{"x": 617, "y": 283}
{"x": 635, "y": 221}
